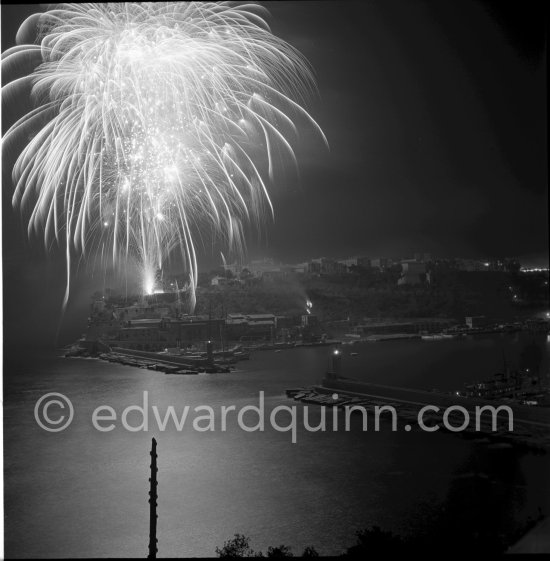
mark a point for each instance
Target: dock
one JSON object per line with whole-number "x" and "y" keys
{"x": 169, "y": 364}
{"x": 531, "y": 425}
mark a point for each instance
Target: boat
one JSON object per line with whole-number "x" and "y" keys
{"x": 291, "y": 392}
{"x": 507, "y": 385}
{"x": 437, "y": 336}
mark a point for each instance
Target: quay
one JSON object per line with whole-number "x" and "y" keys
{"x": 531, "y": 425}
{"x": 169, "y": 364}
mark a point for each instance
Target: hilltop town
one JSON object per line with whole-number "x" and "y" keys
{"x": 268, "y": 303}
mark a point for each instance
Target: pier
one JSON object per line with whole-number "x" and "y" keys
{"x": 531, "y": 425}
{"x": 168, "y": 363}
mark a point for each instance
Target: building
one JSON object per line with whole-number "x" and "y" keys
{"x": 260, "y": 268}
{"x": 159, "y": 334}
{"x": 380, "y": 263}
{"x": 141, "y": 334}
{"x": 350, "y": 262}
{"x": 311, "y": 328}
{"x": 364, "y": 262}
{"x": 263, "y": 266}
{"x": 250, "y": 327}
{"x": 325, "y": 266}
{"x": 274, "y": 276}
{"x": 416, "y": 325}
{"x": 102, "y": 327}
{"x": 314, "y": 267}
{"x": 219, "y": 281}
{"x": 286, "y": 322}
{"x": 141, "y": 311}
{"x": 309, "y": 320}
{"x": 412, "y": 273}
{"x": 300, "y": 268}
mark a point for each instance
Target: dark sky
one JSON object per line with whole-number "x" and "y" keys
{"x": 436, "y": 117}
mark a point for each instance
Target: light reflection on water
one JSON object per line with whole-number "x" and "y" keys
{"x": 81, "y": 492}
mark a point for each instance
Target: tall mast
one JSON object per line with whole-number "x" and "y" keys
{"x": 153, "y": 503}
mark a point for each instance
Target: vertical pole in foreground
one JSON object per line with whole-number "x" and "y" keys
{"x": 153, "y": 503}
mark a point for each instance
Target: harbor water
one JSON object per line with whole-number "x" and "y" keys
{"x": 81, "y": 492}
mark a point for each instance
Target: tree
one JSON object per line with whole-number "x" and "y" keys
{"x": 280, "y": 552}
{"x": 377, "y": 542}
{"x": 239, "y": 546}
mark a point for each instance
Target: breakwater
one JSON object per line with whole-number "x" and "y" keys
{"x": 530, "y": 428}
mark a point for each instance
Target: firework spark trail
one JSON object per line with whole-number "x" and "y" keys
{"x": 153, "y": 120}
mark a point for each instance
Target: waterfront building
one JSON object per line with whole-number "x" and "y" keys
{"x": 141, "y": 311}
{"x": 251, "y": 326}
{"x": 158, "y": 334}
{"x": 416, "y": 325}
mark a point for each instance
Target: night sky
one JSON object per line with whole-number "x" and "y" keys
{"x": 436, "y": 117}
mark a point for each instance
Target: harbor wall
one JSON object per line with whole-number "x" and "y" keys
{"x": 173, "y": 359}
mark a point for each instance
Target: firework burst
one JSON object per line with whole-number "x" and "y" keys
{"x": 151, "y": 122}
